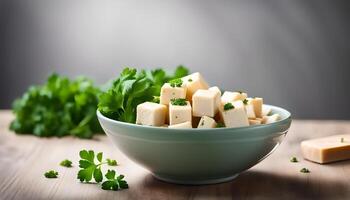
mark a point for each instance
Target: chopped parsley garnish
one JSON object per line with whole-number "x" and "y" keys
{"x": 228, "y": 106}
{"x": 239, "y": 91}
{"x": 293, "y": 159}
{"x": 305, "y": 170}
{"x": 178, "y": 102}
{"x": 51, "y": 174}
{"x": 66, "y": 163}
{"x": 202, "y": 123}
{"x": 190, "y": 80}
{"x": 114, "y": 183}
{"x": 156, "y": 99}
{"x": 111, "y": 162}
{"x": 220, "y": 125}
{"x": 342, "y": 140}
{"x": 245, "y": 101}
{"x": 176, "y": 82}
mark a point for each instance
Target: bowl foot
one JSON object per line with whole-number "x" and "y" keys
{"x": 176, "y": 180}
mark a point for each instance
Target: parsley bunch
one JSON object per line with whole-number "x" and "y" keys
{"x": 133, "y": 88}
{"x": 59, "y": 107}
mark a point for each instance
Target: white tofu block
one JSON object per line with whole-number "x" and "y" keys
{"x": 328, "y": 149}
{"x": 257, "y": 104}
{"x": 232, "y": 96}
{"x": 250, "y": 111}
{"x": 179, "y": 114}
{"x": 151, "y": 114}
{"x": 254, "y": 122}
{"x": 181, "y": 125}
{"x": 271, "y": 119}
{"x": 215, "y": 88}
{"x": 167, "y": 93}
{"x": 266, "y": 110}
{"x": 205, "y": 103}
{"x": 194, "y": 82}
{"x": 206, "y": 122}
{"x": 235, "y": 117}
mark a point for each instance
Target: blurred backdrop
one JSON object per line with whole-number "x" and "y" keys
{"x": 294, "y": 53}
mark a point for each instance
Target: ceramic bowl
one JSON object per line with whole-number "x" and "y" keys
{"x": 197, "y": 156}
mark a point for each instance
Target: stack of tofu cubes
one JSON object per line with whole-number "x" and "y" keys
{"x": 202, "y": 107}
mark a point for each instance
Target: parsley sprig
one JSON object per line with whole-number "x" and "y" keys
{"x": 51, "y": 174}
{"x": 178, "y": 102}
{"x": 111, "y": 162}
{"x": 90, "y": 169}
{"x": 113, "y": 182}
{"x": 176, "y": 82}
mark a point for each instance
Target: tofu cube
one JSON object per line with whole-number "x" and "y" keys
{"x": 167, "y": 93}
{"x": 235, "y": 117}
{"x": 194, "y": 82}
{"x": 250, "y": 111}
{"x": 232, "y": 96}
{"x": 151, "y": 114}
{"x": 266, "y": 110}
{"x": 254, "y": 122}
{"x": 205, "y": 103}
{"x": 181, "y": 125}
{"x": 206, "y": 122}
{"x": 179, "y": 114}
{"x": 215, "y": 88}
{"x": 257, "y": 104}
{"x": 271, "y": 119}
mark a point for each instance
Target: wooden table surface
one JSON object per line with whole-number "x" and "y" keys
{"x": 24, "y": 159}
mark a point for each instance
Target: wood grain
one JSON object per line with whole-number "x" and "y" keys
{"x": 24, "y": 159}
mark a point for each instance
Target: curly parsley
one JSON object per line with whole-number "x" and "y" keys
{"x": 176, "y": 82}
{"x": 178, "y": 102}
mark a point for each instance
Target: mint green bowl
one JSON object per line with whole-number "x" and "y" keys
{"x": 197, "y": 156}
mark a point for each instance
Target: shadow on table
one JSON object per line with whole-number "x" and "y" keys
{"x": 253, "y": 184}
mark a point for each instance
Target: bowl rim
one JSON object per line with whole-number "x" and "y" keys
{"x": 285, "y": 120}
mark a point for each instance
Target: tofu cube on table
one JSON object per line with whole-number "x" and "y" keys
{"x": 205, "y": 103}
{"x": 206, "y": 122}
{"x": 182, "y": 125}
{"x": 233, "y": 96}
{"x": 168, "y": 92}
{"x": 236, "y": 116}
{"x": 180, "y": 114}
{"x": 215, "y": 88}
{"x": 151, "y": 114}
{"x": 194, "y": 82}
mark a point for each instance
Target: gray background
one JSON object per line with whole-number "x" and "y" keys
{"x": 295, "y": 54}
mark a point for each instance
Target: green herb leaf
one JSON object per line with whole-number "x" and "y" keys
{"x": 133, "y": 88}
{"x": 57, "y": 108}
{"x": 114, "y": 183}
{"x": 66, "y": 163}
{"x": 176, "y": 82}
{"x": 220, "y": 125}
{"x": 342, "y": 140}
{"x": 178, "y": 102}
{"x": 51, "y": 174}
{"x": 228, "y": 106}
{"x": 245, "y": 101}
{"x": 305, "y": 170}
{"x": 293, "y": 159}
{"x": 88, "y": 167}
{"x": 111, "y": 162}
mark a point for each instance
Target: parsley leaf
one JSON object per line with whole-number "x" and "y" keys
{"x": 51, "y": 174}
{"x": 114, "y": 183}
{"x": 66, "y": 163}
{"x": 178, "y": 102}
{"x": 176, "y": 82}
{"x": 293, "y": 159}
{"x": 305, "y": 170}
{"x": 228, "y": 106}
{"x": 220, "y": 125}
{"x": 111, "y": 162}
{"x": 57, "y": 108}
{"x": 131, "y": 88}
{"x": 245, "y": 101}
{"x": 89, "y": 168}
